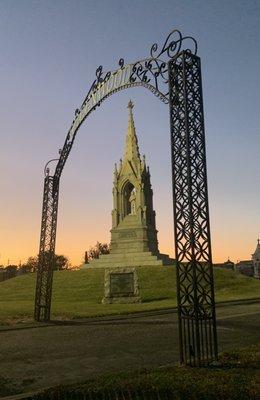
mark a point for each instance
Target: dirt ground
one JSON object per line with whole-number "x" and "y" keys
{"x": 34, "y": 357}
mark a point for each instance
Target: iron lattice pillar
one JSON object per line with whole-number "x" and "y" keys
{"x": 47, "y": 249}
{"x": 195, "y": 285}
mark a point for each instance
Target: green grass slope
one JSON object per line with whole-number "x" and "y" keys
{"x": 78, "y": 294}
{"x": 236, "y": 378}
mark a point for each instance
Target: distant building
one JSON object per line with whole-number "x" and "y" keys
{"x": 256, "y": 261}
{"x": 250, "y": 267}
{"x": 226, "y": 265}
{"x": 245, "y": 267}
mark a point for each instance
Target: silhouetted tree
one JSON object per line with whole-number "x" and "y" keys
{"x": 61, "y": 262}
{"x": 99, "y": 248}
{"x": 30, "y": 265}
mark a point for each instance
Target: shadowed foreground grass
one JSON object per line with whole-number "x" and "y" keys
{"x": 78, "y": 294}
{"x": 236, "y": 377}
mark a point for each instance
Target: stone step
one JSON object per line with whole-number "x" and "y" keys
{"x": 146, "y": 255}
{"x": 102, "y": 264}
{"x": 141, "y": 255}
{"x": 127, "y": 259}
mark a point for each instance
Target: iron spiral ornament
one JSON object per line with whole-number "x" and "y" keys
{"x": 173, "y": 45}
{"x": 153, "y": 70}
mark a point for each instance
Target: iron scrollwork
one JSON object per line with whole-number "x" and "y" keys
{"x": 155, "y": 69}
{"x": 173, "y": 45}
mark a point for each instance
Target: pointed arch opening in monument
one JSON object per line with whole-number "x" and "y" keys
{"x": 129, "y": 194}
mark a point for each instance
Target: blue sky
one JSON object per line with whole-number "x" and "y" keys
{"x": 49, "y": 53}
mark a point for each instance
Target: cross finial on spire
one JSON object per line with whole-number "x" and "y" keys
{"x": 130, "y": 105}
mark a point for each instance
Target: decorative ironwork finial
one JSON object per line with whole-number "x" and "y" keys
{"x": 130, "y": 105}
{"x": 173, "y": 45}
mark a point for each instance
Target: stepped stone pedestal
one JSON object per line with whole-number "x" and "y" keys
{"x": 130, "y": 259}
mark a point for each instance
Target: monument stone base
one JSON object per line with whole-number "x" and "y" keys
{"x": 130, "y": 259}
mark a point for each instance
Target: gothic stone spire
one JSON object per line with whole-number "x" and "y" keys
{"x": 131, "y": 144}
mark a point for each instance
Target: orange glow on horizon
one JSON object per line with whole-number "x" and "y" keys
{"x": 17, "y": 248}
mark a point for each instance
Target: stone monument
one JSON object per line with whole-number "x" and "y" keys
{"x": 133, "y": 234}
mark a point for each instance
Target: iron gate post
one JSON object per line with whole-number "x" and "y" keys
{"x": 195, "y": 283}
{"x": 44, "y": 277}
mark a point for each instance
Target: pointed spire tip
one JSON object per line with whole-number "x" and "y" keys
{"x": 130, "y": 105}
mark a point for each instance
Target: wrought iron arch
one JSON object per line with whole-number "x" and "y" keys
{"x": 173, "y": 74}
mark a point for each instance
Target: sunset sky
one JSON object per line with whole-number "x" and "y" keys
{"x": 50, "y": 50}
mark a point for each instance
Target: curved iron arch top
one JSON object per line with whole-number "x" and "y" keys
{"x": 151, "y": 73}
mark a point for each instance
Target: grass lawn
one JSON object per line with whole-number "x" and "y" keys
{"x": 78, "y": 294}
{"x": 236, "y": 377}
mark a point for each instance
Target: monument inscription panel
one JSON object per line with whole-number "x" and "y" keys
{"x": 122, "y": 284}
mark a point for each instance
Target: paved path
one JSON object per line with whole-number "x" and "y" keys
{"x": 37, "y": 357}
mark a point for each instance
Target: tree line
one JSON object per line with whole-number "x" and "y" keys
{"x": 61, "y": 262}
